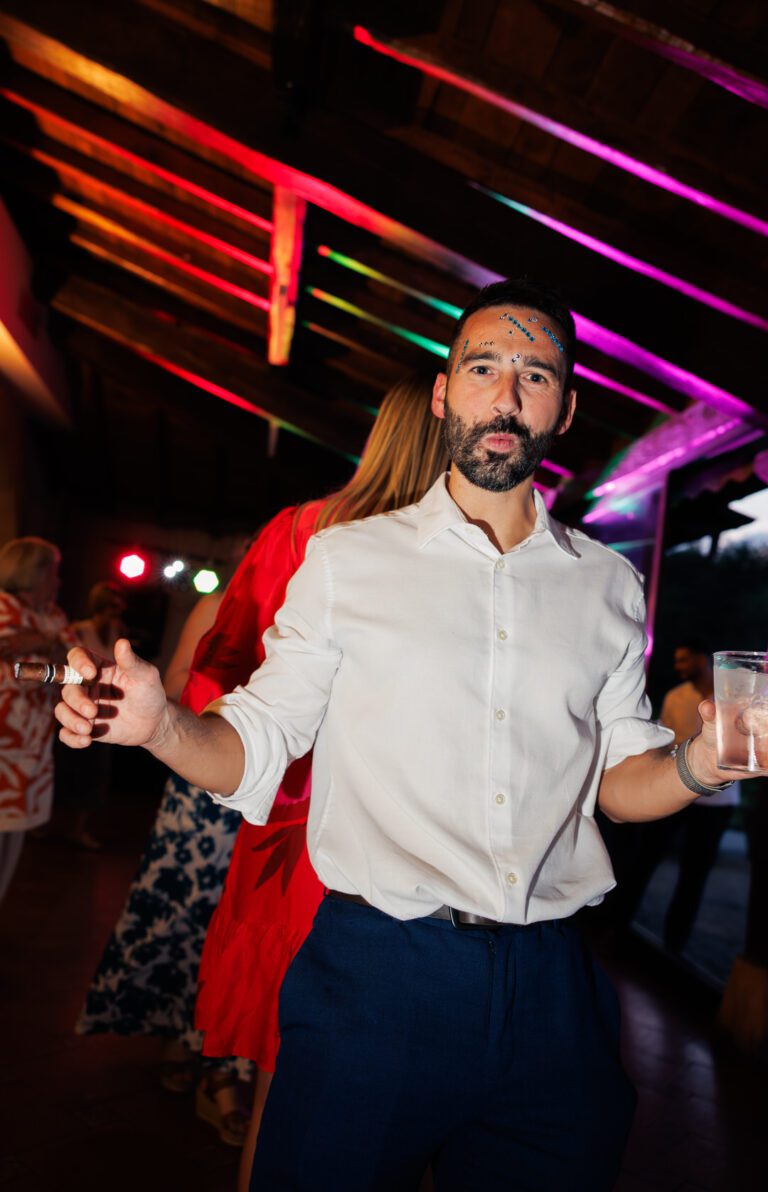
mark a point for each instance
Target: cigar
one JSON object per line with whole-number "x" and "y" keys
{"x": 48, "y": 672}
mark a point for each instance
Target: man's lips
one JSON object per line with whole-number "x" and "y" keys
{"x": 499, "y": 442}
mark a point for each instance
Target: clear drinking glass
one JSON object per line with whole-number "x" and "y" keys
{"x": 741, "y": 700}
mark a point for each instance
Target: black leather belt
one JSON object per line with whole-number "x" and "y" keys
{"x": 459, "y": 919}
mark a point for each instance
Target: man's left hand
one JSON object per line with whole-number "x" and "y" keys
{"x": 702, "y": 751}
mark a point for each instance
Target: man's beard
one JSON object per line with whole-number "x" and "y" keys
{"x": 492, "y": 470}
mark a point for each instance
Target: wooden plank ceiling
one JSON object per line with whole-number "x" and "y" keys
{"x": 275, "y": 206}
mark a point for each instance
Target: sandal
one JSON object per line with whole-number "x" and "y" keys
{"x": 217, "y": 1102}
{"x": 177, "y": 1068}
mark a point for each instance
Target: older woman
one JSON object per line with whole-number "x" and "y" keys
{"x": 33, "y": 627}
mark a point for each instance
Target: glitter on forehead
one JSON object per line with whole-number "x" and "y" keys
{"x": 532, "y": 319}
{"x": 463, "y": 353}
{"x": 519, "y": 325}
{"x": 515, "y": 358}
{"x": 553, "y": 337}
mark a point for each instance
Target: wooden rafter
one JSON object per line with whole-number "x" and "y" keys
{"x": 285, "y": 258}
{"x": 209, "y": 366}
{"x": 675, "y": 48}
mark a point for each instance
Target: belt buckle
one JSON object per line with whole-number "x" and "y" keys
{"x": 456, "y": 921}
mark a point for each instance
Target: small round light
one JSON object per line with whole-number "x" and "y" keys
{"x": 206, "y": 581}
{"x": 132, "y": 566}
{"x": 178, "y": 565}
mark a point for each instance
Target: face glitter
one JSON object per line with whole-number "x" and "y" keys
{"x": 533, "y": 319}
{"x": 553, "y": 337}
{"x": 515, "y": 358}
{"x": 519, "y": 324}
{"x": 463, "y": 351}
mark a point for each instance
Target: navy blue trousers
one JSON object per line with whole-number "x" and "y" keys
{"x": 492, "y": 1056}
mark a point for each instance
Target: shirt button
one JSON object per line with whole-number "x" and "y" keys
{"x": 512, "y": 879}
{"x": 500, "y": 713}
{"x": 500, "y": 799}
{"x": 500, "y": 564}
{"x": 502, "y": 635}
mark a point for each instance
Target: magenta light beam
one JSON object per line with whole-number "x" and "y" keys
{"x": 665, "y": 371}
{"x": 571, "y": 136}
{"x": 629, "y": 262}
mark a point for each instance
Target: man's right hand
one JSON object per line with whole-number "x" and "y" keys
{"x": 128, "y": 707}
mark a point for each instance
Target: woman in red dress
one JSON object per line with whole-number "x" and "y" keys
{"x": 271, "y": 891}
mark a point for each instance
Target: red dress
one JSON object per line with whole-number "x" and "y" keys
{"x": 271, "y": 891}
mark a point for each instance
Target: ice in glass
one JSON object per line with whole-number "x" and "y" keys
{"x": 741, "y": 700}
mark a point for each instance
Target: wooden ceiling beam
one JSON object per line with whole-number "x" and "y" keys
{"x": 671, "y": 165}
{"x": 131, "y": 151}
{"x": 170, "y": 261}
{"x": 374, "y": 165}
{"x": 721, "y": 37}
{"x": 88, "y": 178}
{"x": 680, "y": 38}
{"x": 129, "y": 257}
{"x": 288, "y": 217}
{"x": 217, "y": 25}
{"x": 86, "y": 196}
{"x": 196, "y": 357}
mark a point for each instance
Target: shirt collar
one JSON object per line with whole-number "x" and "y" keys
{"x": 437, "y": 511}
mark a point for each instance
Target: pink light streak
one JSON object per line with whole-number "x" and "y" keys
{"x": 359, "y": 214}
{"x": 644, "y": 399}
{"x": 629, "y": 262}
{"x": 169, "y": 258}
{"x": 570, "y": 136}
{"x": 150, "y": 167}
{"x": 665, "y": 371}
{"x": 123, "y": 199}
{"x": 617, "y": 489}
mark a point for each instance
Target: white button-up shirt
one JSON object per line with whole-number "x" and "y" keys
{"x": 463, "y": 705}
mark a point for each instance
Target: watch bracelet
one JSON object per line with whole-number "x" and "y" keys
{"x": 680, "y": 754}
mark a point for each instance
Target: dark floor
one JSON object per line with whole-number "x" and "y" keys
{"x": 87, "y": 1113}
{"x": 718, "y": 934}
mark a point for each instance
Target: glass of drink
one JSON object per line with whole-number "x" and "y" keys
{"x": 741, "y": 700}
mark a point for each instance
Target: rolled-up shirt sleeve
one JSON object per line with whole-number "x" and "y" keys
{"x": 623, "y": 708}
{"x": 278, "y": 712}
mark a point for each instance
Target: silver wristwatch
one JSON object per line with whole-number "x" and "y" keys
{"x": 680, "y": 754}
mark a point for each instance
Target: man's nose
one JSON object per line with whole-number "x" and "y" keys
{"x": 507, "y": 396}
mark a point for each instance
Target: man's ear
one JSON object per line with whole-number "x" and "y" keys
{"x": 438, "y": 395}
{"x": 569, "y": 409}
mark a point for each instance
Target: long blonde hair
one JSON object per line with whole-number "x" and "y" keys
{"x": 403, "y": 457}
{"x": 23, "y": 563}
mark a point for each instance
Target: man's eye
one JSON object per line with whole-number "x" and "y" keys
{"x": 481, "y": 369}
{"x": 536, "y": 377}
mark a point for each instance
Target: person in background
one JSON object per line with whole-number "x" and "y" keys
{"x": 82, "y": 783}
{"x": 146, "y": 982}
{"x": 271, "y": 891}
{"x": 104, "y": 623}
{"x": 698, "y": 828}
{"x": 197, "y": 624}
{"x": 32, "y": 627}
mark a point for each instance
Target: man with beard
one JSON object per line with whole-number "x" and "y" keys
{"x": 471, "y": 675}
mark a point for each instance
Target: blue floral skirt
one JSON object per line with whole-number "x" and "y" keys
{"x": 146, "y": 981}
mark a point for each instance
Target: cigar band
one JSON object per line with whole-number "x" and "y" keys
{"x": 70, "y": 675}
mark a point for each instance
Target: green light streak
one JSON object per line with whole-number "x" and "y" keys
{"x": 446, "y": 308}
{"x": 429, "y": 345}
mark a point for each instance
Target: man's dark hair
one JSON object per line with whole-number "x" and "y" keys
{"x": 694, "y": 645}
{"x": 522, "y": 292}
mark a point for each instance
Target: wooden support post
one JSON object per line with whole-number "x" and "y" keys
{"x": 288, "y": 216}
